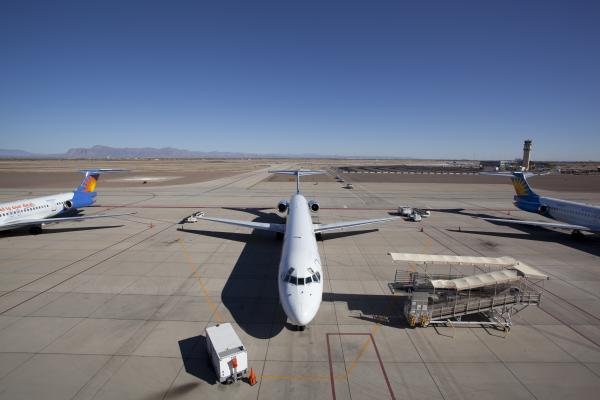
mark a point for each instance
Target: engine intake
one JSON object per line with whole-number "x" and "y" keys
{"x": 282, "y": 206}
{"x": 68, "y": 204}
{"x": 314, "y": 206}
{"x": 543, "y": 210}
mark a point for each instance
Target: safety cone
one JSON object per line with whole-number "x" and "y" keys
{"x": 252, "y": 378}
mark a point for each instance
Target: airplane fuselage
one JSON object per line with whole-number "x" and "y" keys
{"x": 34, "y": 208}
{"x": 300, "y": 278}
{"x": 562, "y": 210}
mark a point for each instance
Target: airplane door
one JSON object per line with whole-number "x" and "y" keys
{"x": 51, "y": 205}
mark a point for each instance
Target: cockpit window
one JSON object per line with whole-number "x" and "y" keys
{"x": 294, "y": 280}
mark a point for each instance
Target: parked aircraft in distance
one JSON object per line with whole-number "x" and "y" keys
{"x": 577, "y": 217}
{"x": 38, "y": 211}
{"x": 300, "y": 277}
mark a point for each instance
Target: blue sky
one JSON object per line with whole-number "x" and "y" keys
{"x": 446, "y": 80}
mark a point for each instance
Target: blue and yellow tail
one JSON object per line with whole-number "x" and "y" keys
{"x": 85, "y": 194}
{"x": 522, "y": 188}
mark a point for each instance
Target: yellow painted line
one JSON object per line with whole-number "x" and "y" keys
{"x": 200, "y": 281}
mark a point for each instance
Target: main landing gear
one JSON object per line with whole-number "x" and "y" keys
{"x": 576, "y": 234}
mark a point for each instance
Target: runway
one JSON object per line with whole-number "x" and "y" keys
{"x": 116, "y": 308}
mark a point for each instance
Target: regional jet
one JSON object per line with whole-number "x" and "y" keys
{"x": 577, "y": 217}
{"x": 300, "y": 277}
{"x": 36, "y": 212}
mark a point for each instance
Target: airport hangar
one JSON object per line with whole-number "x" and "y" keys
{"x": 117, "y": 309}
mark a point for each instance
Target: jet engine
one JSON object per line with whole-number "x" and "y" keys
{"x": 282, "y": 206}
{"x": 543, "y": 210}
{"x": 68, "y": 205}
{"x": 313, "y": 205}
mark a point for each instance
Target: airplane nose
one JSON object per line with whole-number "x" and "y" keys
{"x": 301, "y": 315}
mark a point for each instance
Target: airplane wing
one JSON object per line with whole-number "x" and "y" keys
{"x": 350, "y": 224}
{"x": 538, "y": 223}
{"x": 248, "y": 224}
{"x": 29, "y": 222}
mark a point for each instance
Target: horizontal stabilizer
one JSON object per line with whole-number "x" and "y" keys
{"x": 508, "y": 174}
{"x": 299, "y": 172}
{"x": 102, "y": 170}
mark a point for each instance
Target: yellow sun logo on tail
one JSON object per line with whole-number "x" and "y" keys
{"x": 89, "y": 184}
{"x": 520, "y": 186}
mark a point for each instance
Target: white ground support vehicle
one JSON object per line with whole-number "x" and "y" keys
{"x": 349, "y": 186}
{"x": 227, "y": 353}
{"x": 405, "y": 211}
{"x": 415, "y": 216}
{"x": 423, "y": 213}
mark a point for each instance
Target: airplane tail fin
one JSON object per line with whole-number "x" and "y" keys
{"x": 521, "y": 186}
{"x": 85, "y": 194}
{"x": 298, "y": 173}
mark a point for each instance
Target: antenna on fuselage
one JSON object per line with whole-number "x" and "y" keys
{"x": 298, "y": 173}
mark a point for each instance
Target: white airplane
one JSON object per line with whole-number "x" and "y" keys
{"x": 38, "y": 211}
{"x": 300, "y": 274}
{"x": 576, "y": 216}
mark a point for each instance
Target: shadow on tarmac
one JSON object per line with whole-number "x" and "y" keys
{"x": 196, "y": 360}
{"x": 589, "y": 243}
{"x": 25, "y": 231}
{"x": 383, "y": 309}
{"x": 250, "y": 293}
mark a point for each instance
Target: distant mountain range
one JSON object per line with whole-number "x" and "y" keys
{"x": 105, "y": 152}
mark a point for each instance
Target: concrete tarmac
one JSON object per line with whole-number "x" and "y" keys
{"x": 116, "y": 308}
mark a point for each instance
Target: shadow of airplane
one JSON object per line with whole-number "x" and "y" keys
{"x": 24, "y": 231}
{"x": 588, "y": 243}
{"x": 250, "y": 293}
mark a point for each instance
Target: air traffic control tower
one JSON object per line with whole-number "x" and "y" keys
{"x": 526, "y": 154}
